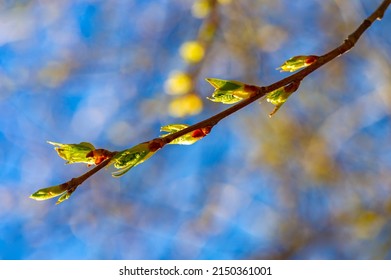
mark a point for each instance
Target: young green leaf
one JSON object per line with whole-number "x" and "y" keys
{"x": 65, "y": 196}
{"x": 297, "y": 62}
{"x": 48, "y": 193}
{"x": 224, "y": 97}
{"x": 188, "y": 138}
{"x": 172, "y": 128}
{"x": 225, "y": 85}
{"x": 230, "y": 92}
{"x": 280, "y": 96}
{"x": 129, "y": 158}
{"x": 73, "y": 153}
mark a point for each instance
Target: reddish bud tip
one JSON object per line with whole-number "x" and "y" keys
{"x": 201, "y": 132}
{"x": 99, "y": 155}
{"x": 198, "y": 133}
{"x": 311, "y": 59}
{"x": 207, "y": 129}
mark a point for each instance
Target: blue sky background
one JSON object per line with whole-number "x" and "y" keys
{"x": 313, "y": 182}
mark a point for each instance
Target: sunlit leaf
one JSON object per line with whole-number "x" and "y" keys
{"x": 281, "y": 95}
{"x": 73, "y": 153}
{"x": 230, "y": 92}
{"x": 48, "y": 193}
{"x": 65, "y": 196}
{"x": 171, "y": 128}
{"x": 129, "y": 158}
{"x": 224, "y": 97}
{"x": 188, "y": 138}
{"x": 297, "y": 62}
{"x": 225, "y": 84}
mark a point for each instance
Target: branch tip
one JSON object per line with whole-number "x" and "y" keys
{"x": 276, "y": 93}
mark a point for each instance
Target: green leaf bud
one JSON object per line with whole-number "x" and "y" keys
{"x": 297, "y": 62}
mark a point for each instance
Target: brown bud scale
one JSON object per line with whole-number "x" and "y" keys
{"x": 155, "y": 144}
{"x": 201, "y": 132}
{"x": 99, "y": 155}
{"x": 311, "y": 59}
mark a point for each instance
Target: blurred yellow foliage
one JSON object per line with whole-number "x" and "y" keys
{"x": 368, "y": 224}
{"x": 54, "y": 73}
{"x": 317, "y": 162}
{"x": 190, "y": 104}
{"x": 201, "y": 8}
{"x": 223, "y": 2}
{"x": 178, "y": 83}
{"x": 192, "y": 51}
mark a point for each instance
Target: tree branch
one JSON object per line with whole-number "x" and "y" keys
{"x": 257, "y": 93}
{"x": 262, "y": 91}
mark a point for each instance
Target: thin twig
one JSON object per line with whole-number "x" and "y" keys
{"x": 260, "y": 92}
{"x": 72, "y": 184}
{"x": 322, "y": 60}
